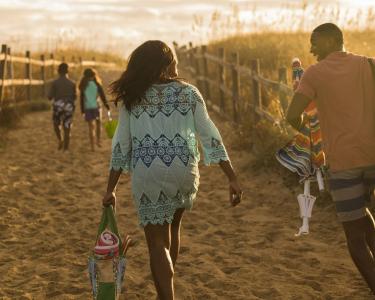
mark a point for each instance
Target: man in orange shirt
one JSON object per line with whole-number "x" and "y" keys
{"x": 343, "y": 87}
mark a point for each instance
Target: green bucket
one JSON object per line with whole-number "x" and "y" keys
{"x": 110, "y": 126}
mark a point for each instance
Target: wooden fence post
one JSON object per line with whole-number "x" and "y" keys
{"x": 10, "y": 73}
{"x": 189, "y": 56}
{"x": 43, "y": 74}
{"x": 255, "y": 67}
{"x": 282, "y": 96}
{"x": 257, "y": 100}
{"x": 197, "y": 68}
{"x": 235, "y": 87}
{"x": 52, "y": 68}
{"x": 191, "y": 59}
{"x": 205, "y": 73}
{"x": 28, "y": 75}
{"x": 3, "y": 63}
{"x": 221, "y": 73}
{"x": 179, "y": 57}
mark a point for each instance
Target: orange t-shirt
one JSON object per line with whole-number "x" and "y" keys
{"x": 343, "y": 88}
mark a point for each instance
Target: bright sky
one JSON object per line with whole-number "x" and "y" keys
{"x": 120, "y": 25}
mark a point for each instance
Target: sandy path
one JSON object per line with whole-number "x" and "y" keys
{"x": 50, "y": 208}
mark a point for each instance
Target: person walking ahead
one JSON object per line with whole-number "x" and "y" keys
{"x": 90, "y": 89}
{"x": 342, "y": 85}
{"x": 160, "y": 121}
{"x": 63, "y": 94}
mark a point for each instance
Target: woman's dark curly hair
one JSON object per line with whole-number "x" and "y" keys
{"x": 147, "y": 64}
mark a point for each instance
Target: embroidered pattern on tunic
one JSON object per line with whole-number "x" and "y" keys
{"x": 120, "y": 160}
{"x": 167, "y": 101}
{"x": 167, "y": 150}
{"x": 159, "y": 211}
{"x": 218, "y": 152}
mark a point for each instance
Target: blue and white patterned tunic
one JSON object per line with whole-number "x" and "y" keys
{"x": 158, "y": 143}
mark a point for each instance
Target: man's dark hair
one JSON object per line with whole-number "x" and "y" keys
{"x": 63, "y": 68}
{"x": 330, "y": 30}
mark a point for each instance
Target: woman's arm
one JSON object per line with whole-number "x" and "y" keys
{"x": 114, "y": 176}
{"x": 110, "y": 197}
{"x": 121, "y": 155}
{"x": 213, "y": 147}
{"x": 102, "y": 96}
{"x": 235, "y": 191}
{"x": 227, "y": 168}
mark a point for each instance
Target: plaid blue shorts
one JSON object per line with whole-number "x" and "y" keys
{"x": 351, "y": 191}
{"x": 63, "y": 111}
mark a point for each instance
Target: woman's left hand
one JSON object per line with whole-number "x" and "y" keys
{"x": 109, "y": 199}
{"x": 235, "y": 192}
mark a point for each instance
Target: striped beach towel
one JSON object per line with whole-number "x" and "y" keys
{"x": 304, "y": 154}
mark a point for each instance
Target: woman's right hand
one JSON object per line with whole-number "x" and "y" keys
{"x": 109, "y": 199}
{"x": 235, "y": 192}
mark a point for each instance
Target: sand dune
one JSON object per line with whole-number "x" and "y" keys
{"x": 50, "y": 208}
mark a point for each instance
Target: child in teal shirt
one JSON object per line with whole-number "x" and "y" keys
{"x": 90, "y": 90}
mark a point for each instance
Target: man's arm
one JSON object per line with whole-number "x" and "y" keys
{"x": 296, "y": 108}
{"x": 52, "y": 92}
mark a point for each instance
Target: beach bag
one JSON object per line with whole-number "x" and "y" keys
{"x": 107, "y": 261}
{"x": 110, "y": 126}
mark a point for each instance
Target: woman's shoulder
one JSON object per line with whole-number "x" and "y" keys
{"x": 178, "y": 87}
{"x": 184, "y": 84}
{"x": 188, "y": 88}
{"x": 177, "y": 84}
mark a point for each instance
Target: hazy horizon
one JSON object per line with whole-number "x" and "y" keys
{"x": 119, "y": 25}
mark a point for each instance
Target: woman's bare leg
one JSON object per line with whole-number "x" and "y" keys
{"x": 175, "y": 234}
{"x": 98, "y": 132}
{"x": 92, "y": 134}
{"x": 159, "y": 241}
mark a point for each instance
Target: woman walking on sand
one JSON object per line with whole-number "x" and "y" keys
{"x": 90, "y": 89}
{"x": 161, "y": 119}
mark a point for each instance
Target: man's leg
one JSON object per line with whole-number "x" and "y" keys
{"x": 67, "y": 116}
{"x": 369, "y": 181}
{"x": 356, "y": 236}
{"x": 159, "y": 242}
{"x": 175, "y": 234}
{"x": 56, "y": 127}
{"x": 66, "y": 137}
{"x": 370, "y": 232}
{"x": 56, "y": 119}
{"x": 349, "y": 194}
